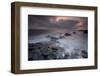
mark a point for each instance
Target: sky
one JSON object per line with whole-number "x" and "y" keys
{"x": 39, "y": 24}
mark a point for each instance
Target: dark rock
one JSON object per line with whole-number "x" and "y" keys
{"x": 44, "y": 51}
{"x": 67, "y": 34}
{"x": 54, "y": 48}
{"x": 74, "y": 32}
{"x": 84, "y": 54}
{"x": 84, "y": 31}
{"x": 74, "y": 55}
{"x": 52, "y": 56}
{"x": 66, "y": 56}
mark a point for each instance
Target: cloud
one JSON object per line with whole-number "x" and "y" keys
{"x": 57, "y": 22}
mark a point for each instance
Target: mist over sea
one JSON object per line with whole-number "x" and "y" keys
{"x": 47, "y": 46}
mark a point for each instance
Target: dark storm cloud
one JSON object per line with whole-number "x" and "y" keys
{"x": 44, "y": 22}
{"x": 38, "y": 21}
{"x": 67, "y": 24}
{"x": 38, "y": 24}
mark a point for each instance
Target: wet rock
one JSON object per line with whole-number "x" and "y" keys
{"x": 66, "y": 56}
{"x": 84, "y": 31}
{"x": 52, "y": 56}
{"x": 84, "y": 54}
{"x": 74, "y": 32}
{"x": 45, "y": 51}
{"x": 67, "y": 34}
{"x": 75, "y": 55}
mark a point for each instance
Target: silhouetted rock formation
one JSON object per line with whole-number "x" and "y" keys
{"x": 84, "y": 54}
{"x": 84, "y": 31}
{"x": 74, "y": 32}
{"x": 67, "y": 34}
